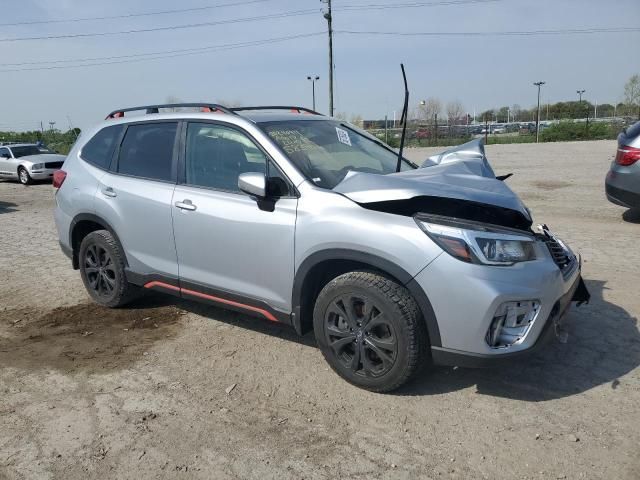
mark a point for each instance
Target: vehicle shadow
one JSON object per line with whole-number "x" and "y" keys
{"x": 259, "y": 325}
{"x": 7, "y": 207}
{"x": 632, "y": 215}
{"x": 604, "y": 345}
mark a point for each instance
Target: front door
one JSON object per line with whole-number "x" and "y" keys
{"x": 7, "y": 167}
{"x": 228, "y": 243}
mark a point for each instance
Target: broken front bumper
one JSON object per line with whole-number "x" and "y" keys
{"x": 465, "y": 307}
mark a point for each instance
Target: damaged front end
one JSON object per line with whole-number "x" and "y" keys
{"x": 458, "y": 191}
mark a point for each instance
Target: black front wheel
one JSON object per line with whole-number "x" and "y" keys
{"x": 370, "y": 331}
{"x": 102, "y": 269}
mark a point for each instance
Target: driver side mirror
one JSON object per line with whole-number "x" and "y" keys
{"x": 253, "y": 183}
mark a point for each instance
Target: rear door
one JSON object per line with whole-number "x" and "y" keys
{"x": 134, "y": 196}
{"x": 228, "y": 243}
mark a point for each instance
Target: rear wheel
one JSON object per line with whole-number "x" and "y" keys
{"x": 24, "y": 177}
{"x": 370, "y": 331}
{"x": 102, "y": 270}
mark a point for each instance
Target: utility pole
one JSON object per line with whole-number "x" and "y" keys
{"x": 329, "y": 18}
{"x": 580, "y": 92}
{"x": 538, "y": 84}
{"x": 435, "y": 135}
{"x": 313, "y": 79}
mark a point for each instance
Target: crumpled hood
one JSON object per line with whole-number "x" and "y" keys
{"x": 43, "y": 158}
{"x": 461, "y": 173}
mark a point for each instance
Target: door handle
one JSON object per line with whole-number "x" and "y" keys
{"x": 185, "y": 205}
{"x": 109, "y": 192}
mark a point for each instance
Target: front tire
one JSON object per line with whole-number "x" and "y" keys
{"x": 370, "y": 331}
{"x": 102, "y": 270}
{"x": 24, "y": 177}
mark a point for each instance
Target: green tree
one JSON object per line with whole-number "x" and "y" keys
{"x": 632, "y": 93}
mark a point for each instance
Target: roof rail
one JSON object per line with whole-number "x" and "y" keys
{"x": 277, "y": 107}
{"x": 149, "y": 109}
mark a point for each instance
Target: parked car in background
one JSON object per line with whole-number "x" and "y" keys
{"x": 27, "y": 162}
{"x": 622, "y": 184}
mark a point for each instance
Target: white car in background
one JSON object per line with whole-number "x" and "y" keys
{"x": 27, "y": 162}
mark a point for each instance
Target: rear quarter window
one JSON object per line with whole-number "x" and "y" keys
{"x": 99, "y": 150}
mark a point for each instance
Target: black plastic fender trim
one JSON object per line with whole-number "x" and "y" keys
{"x": 376, "y": 262}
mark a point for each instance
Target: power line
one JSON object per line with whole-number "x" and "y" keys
{"x": 133, "y": 15}
{"x": 382, "y": 6}
{"x": 161, "y": 52}
{"x": 171, "y": 27}
{"x": 161, "y": 55}
{"x": 565, "y": 31}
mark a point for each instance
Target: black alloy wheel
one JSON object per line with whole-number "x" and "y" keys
{"x": 370, "y": 330}
{"x": 102, "y": 268}
{"x": 361, "y": 335}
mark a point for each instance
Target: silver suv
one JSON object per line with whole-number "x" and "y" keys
{"x": 302, "y": 219}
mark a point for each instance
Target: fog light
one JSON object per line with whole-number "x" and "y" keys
{"x": 511, "y": 323}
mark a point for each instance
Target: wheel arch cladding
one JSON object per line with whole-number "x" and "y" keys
{"x": 321, "y": 267}
{"x": 81, "y": 226}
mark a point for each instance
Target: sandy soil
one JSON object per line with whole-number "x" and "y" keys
{"x": 168, "y": 389}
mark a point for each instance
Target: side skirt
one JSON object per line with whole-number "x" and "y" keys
{"x": 193, "y": 291}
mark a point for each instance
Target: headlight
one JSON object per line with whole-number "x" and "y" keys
{"x": 475, "y": 242}
{"x": 37, "y": 166}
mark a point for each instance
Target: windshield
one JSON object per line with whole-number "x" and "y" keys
{"x": 28, "y": 150}
{"x": 326, "y": 150}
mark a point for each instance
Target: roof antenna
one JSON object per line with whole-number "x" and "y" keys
{"x": 404, "y": 117}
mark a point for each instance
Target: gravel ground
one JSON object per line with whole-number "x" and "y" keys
{"x": 146, "y": 392}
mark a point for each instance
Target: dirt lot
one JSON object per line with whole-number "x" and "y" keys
{"x": 144, "y": 392}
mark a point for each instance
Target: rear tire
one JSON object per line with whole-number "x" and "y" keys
{"x": 23, "y": 176}
{"x": 102, "y": 270}
{"x": 370, "y": 331}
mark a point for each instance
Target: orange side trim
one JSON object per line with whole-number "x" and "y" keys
{"x": 193, "y": 293}
{"x": 161, "y": 285}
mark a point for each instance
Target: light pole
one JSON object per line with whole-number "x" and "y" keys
{"x": 580, "y": 92}
{"x": 329, "y": 18}
{"x": 538, "y": 84}
{"x": 313, "y": 80}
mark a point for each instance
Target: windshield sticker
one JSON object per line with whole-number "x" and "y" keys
{"x": 343, "y": 136}
{"x": 292, "y": 141}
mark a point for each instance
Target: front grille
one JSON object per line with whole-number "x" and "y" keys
{"x": 558, "y": 253}
{"x": 53, "y": 165}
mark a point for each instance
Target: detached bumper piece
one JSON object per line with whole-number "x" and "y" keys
{"x": 577, "y": 293}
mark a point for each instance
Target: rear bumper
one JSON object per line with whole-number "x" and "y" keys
{"x": 66, "y": 250}
{"x": 450, "y": 357}
{"x": 622, "y": 185}
{"x": 624, "y": 198}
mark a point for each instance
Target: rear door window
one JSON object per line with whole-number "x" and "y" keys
{"x": 99, "y": 150}
{"x": 147, "y": 150}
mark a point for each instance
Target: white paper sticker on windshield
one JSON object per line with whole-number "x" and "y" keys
{"x": 343, "y": 136}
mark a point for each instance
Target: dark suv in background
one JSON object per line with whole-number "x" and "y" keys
{"x": 623, "y": 180}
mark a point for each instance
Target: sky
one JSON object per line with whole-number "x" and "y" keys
{"x": 482, "y": 72}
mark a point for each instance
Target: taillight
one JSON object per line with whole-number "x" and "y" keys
{"x": 58, "y": 178}
{"x": 627, "y": 156}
